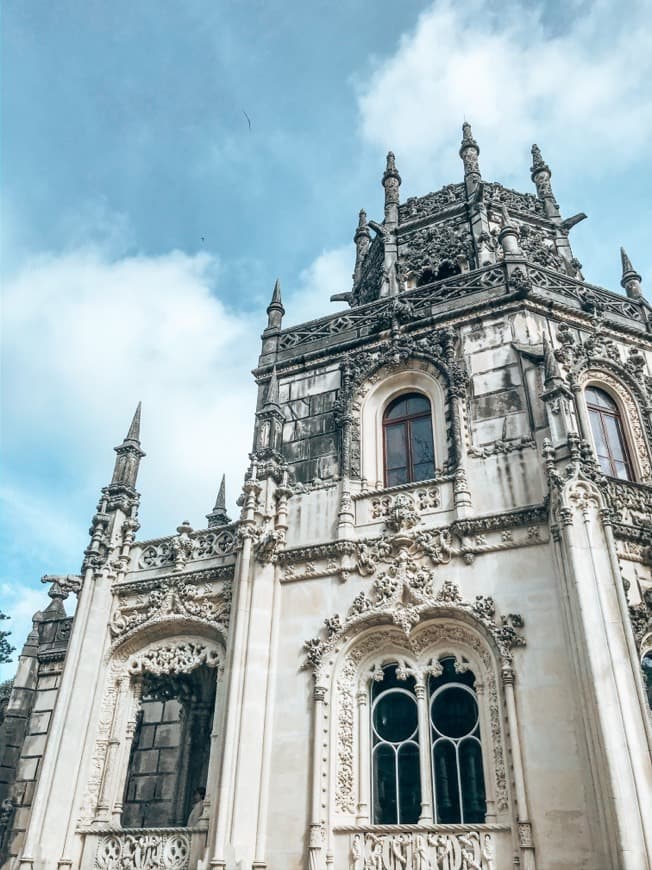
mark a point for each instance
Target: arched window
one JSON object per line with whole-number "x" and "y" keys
{"x": 408, "y": 443}
{"x": 168, "y": 765}
{"x": 456, "y": 750}
{"x": 396, "y": 784}
{"x": 608, "y": 435}
{"x": 453, "y": 747}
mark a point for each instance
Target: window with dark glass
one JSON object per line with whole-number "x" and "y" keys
{"x": 456, "y": 752}
{"x": 409, "y": 450}
{"x": 452, "y": 745}
{"x": 608, "y": 436}
{"x": 396, "y": 784}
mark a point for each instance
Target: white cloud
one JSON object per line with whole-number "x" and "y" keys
{"x": 582, "y": 91}
{"x": 86, "y": 337}
{"x": 329, "y": 273}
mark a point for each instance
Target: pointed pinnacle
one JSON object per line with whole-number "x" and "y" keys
{"x": 507, "y": 220}
{"x": 628, "y": 269}
{"x": 362, "y": 218}
{"x": 220, "y": 501}
{"x": 276, "y": 296}
{"x": 551, "y": 371}
{"x": 134, "y": 430}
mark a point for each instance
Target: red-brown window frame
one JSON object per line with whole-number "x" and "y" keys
{"x": 407, "y": 419}
{"x": 617, "y": 416}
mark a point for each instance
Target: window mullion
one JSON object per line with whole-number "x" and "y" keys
{"x": 456, "y": 744}
{"x": 425, "y": 766}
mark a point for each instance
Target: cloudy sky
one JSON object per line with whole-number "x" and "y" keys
{"x": 163, "y": 162}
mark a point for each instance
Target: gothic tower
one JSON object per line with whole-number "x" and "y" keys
{"x": 424, "y": 642}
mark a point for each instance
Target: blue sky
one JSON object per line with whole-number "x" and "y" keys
{"x": 144, "y": 220}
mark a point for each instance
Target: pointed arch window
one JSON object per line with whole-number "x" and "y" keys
{"x": 408, "y": 442}
{"x": 608, "y": 434}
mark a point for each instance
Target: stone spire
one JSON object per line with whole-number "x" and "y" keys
{"x": 631, "y": 280}
{"x": 275, "y": 309}
{"x": 270, "y": 419}
{"x": 391, "y": 183}
{"x": 540, "y": 174}
{"x": 362, "y": 239}
{"x": 218, "y": 516}
{"x": 129, "y": 455}
{"x": 469, "y": 152}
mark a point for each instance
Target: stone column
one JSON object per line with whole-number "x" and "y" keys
{"x": 364, "y": 751}
{"x": 525, "y": 840}
{"x": 316, "y": 833}
{"x": 426, "y": 816}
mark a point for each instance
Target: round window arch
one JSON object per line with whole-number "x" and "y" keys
{"x": 408, "y": 443}
{"x": 608, "y": 433}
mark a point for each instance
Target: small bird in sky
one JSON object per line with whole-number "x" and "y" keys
{"x": 247, "y": 117}
{"x": 203, "y": 239}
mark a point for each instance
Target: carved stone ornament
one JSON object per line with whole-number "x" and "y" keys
{"x": 144, "y": 850}
{"x": 174, "y": 657}
{"x": 467, "y": 850}
{"x": 173, "y": 597}
{"x": 641, "y": 616}
{"x": 405, "y": 595}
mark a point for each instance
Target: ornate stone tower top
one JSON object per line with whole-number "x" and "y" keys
{"x": 460, "y": 228}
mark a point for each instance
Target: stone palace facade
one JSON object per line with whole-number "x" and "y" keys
{"x": 426, "y": 642}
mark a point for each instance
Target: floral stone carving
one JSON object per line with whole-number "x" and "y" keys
{"x": 174, "y": 658}
{"x": 144, "y": 850}
{"x": 404, "y": 594}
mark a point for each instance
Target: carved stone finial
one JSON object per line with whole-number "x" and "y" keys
{"x": 275, "y": 309}
{"x": 631, "y": 280}
{"x": 552, "y": 372}
{"x": 467, "y": 138}
{"x": 218, "y": 516}
{"x": 129, "y": 455}
{"x": 469, "y": 152}
{"x": 390, "y": 169}
{"x": 538, "y": 163}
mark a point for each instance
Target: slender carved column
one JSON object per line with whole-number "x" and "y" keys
{"x": 363, "y": 758}
{"x": 524, "y": 826}
{"x": 583, "y": 421}
{"x": 316, "y": 834}
{"x": 208, "y": 813}
{"x": 426, "y": 816}
{"x": 485, "y": 737}
{"x": 111, "y": 758}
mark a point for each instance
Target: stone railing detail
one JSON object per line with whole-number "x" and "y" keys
{"x": 188, "y": 546}
{"x": 468, "y": 850}
{"x": 144, "y": 849}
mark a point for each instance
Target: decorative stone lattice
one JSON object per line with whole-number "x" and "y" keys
{"x": 144, "y": 850}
